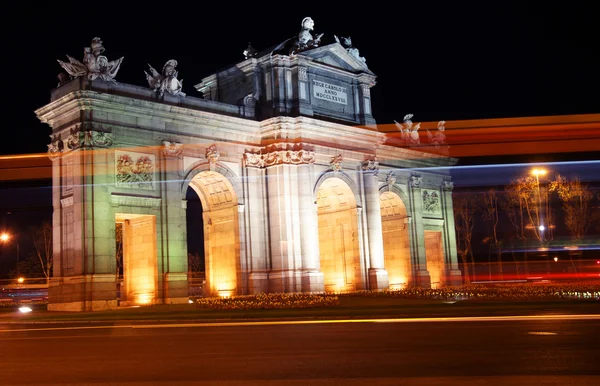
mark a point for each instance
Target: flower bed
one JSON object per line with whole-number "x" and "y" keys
{"x": 526, "y": 291}
{"x": 269, "y": 301}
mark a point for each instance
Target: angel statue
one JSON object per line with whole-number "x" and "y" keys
{"x": 405, "y": 129}
{"x": 94, "y": 65}
{"x": 439, "y": 138}
{"x": 305, "y": 39}
{"x": 414, "y": 138}
{"x": 353, "y": 51}
{"x": 167, "y": 81}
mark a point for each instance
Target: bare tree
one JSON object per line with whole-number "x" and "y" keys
{"x": 578, "y": 207}
{"x": 195, "y": 263}
{"x": 491, "y": 215}
{"x": 464, "y": 212}
{"x": 42, "y": 242}
{"x": 119, "y": 248}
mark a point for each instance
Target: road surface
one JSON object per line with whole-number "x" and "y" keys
{"x": 494, "y": 351}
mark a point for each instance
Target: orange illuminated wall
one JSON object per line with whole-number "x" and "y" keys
{"x": 140, "y": 269}
{"x": 434, "y": 253}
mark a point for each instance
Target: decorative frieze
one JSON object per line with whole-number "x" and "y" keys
{"x": 280, "y": 154}
{"x": 366, "y": 91}
{"x": 134, "y": 170}
{"x": 431, "y": 201}
{"x": 172, "y": 149}
{"x": 371, "y": 165}
{"x": 303, "y": 74}
{"x": 88, "y": 139}
{"x": 56, "y": 146}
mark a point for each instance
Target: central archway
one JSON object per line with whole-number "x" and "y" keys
{"x": 220, "y": 232}
{"x": 338, "y": 236}
{"x": 396, "y": 247}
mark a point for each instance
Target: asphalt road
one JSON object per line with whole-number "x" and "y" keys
{"x": 492, "y": 352}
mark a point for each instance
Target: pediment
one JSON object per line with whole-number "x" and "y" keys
{"x": 336, "y": 56}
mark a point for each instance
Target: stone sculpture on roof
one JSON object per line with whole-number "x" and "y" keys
{"x": 409, "y": 132}
{"x": 165, "y": 81}
{"x": 439, "y": 138}
{"x": 305, "y": 39}
{"x": 353, "y": 51}
{"x": 94, "y": 65}
{"x": 250, "y": 52}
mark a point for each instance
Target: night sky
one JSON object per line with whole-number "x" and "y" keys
{"x": 437, "y": 60}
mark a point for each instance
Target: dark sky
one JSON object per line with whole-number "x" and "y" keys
{"x": 437, "y": 60}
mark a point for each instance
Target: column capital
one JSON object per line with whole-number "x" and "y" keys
{"x": 371, "y": 165}
{"x": 416, "y": 181}
{"x": 172, "y": 149}
{"x": 447, "y": 185}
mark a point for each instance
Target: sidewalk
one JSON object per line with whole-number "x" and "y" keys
{"x": 349, "y": 308}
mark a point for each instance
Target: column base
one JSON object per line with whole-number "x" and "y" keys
{"x": 423, "y": 279}
{"x": 455, "y": 278}
{"x": 285, "y": 281}
{"x": 378, "y": 279}
{"x": 83, "y": 293}
{"x": 258, "y": 282}
{"x": 176, "y": 287}
{"x": 313, "y": 282}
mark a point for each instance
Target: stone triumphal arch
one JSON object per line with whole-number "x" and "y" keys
{"x": 299, "y": 190}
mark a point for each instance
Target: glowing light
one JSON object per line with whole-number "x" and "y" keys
{"x": 538, "y": 172}
{"x": 225, "y": 293}
{"x": 397, "y": 286}
{"x": 542, "y": 228}
{"x": 190, "y": 301}
{"x": 144, "y": 298}
{"x": 20, "y": 280}
{"x": 4, "y": 237}
{"x": 25, "y": 310}
{"x": 556, "y": 259}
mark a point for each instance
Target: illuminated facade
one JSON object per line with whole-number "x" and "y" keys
{"x": 300, "y": 192}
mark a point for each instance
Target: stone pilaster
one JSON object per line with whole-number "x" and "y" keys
{"x": 417, "y": 235}
{"x": 454, "y": 276}
{"x": 378, "y": 276}
{"x": 258, "y": 278}
{"x": 175, "y": 280}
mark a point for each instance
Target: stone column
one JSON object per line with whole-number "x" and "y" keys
{"x": 258, "y": 236}
{"x": 454, "y": 275}
{"x": 312, "y": 277}
{"x": 378, "y": 276}
{"x": 244, "y": 266}
{"x": 175, "y": 259}
{"x": 417, "y": 235}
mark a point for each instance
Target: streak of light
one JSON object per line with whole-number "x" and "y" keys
{"x": 520, "y": 318}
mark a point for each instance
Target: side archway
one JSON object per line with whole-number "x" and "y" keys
{"x": 220, "y": 230}
{"x": 396, "y": 243}
{"x": 338, "y": 235}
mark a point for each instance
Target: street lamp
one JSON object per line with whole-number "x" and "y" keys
{"x": 5, "y": 237}
{"x": 537, "y": 173}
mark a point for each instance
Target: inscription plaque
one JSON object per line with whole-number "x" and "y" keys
{"x": 330, "y": 92}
